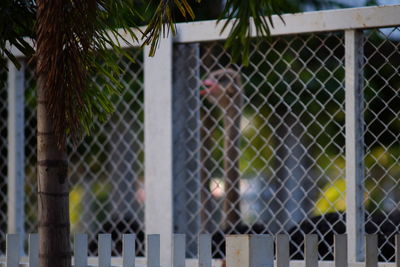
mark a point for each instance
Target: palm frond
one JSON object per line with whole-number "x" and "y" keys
{"x": 73, "y": 41}
{"x": 16, "y": 22}
{"x": 162, "y": 22}
{"x": 242, "y": 14}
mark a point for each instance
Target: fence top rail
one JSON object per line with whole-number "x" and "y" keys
{"x": 306, "y": 22}
{"x": 125, "y": 40}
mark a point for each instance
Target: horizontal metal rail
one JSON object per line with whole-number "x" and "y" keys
{"x": 306, "y": 22}
{"x": 124, "y": 40}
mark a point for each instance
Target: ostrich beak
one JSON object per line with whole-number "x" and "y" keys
{"x": 208, "y": 84}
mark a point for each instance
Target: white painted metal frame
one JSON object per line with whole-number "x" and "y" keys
{"x": 340, "y": 250}
{"x": 354, "y": 143}
{"x": 12, "y": 250}
{"x": 124, "y": 40}
{"x": 159, "y": 146}
{"x": 311, "y": 250}
{"x": 307, "y": 22}
{"x": 249, "y": 250}
{"x": 204, "y": 250}
{"x": 158, "y": 118}
{"x": 351, "y": 21}
{"x": 282, "y": 256}
{"x": 242, "y": 251}
{"x": 16, "y": 151}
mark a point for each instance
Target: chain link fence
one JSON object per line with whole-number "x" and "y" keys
{"x": 3, "y": 159}
{"x": 272, "y": 140}
{"x": 265, "y": 146}
{"x": 272, "y": 137}
{"x": 106, "y": 168}
{"x": 382, "y": 136}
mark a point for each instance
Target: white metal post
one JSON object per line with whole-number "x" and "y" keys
{"x": 16, "y": 152}
{"x": 354, "y": 144}
{"x": 249, "y": 251}
{"x": 12, "y": 244}
{"x": 158, "y": 146}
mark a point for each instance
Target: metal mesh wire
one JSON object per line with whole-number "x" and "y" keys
{"x": 3, "y": 160}
{"x": 286, "y": 150}
{"x": 279, "y": 134}
{"x": 287, "y": 126}
{"x": 30, "y": 152}
{"x": 382, "y": 135}
{"x": 105, "y": 169}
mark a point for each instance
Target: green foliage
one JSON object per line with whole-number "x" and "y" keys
{"x": 16, "y": 21}
{"x": 163, "y": 21}
{"x": 241, "y": 14}
{"x": 73, "y": 44}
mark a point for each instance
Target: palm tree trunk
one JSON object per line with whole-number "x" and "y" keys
{"x": 54, "y": 243}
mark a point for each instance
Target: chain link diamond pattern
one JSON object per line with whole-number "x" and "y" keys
{"x": 382, "y": 135}
{"x": 3, "y": 160}
{"x": 106, "y": 168}
{"x": 280, "y": 130}
{"x": 289, "y": 137}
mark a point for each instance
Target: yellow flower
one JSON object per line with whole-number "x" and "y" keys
{"x": 75, "y": 205}
{"x": 332, "y": 199}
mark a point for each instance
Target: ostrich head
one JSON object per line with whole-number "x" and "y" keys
{"x": 221, "y": 87}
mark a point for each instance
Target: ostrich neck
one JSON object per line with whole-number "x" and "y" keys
{"x": 232, "y": 120}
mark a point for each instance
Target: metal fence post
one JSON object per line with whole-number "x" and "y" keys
{"x": 16, "y": 152}
{"x": 158, "y": 146}
{"x": 354, "y": 144}
{"x": 186, "y": 142}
